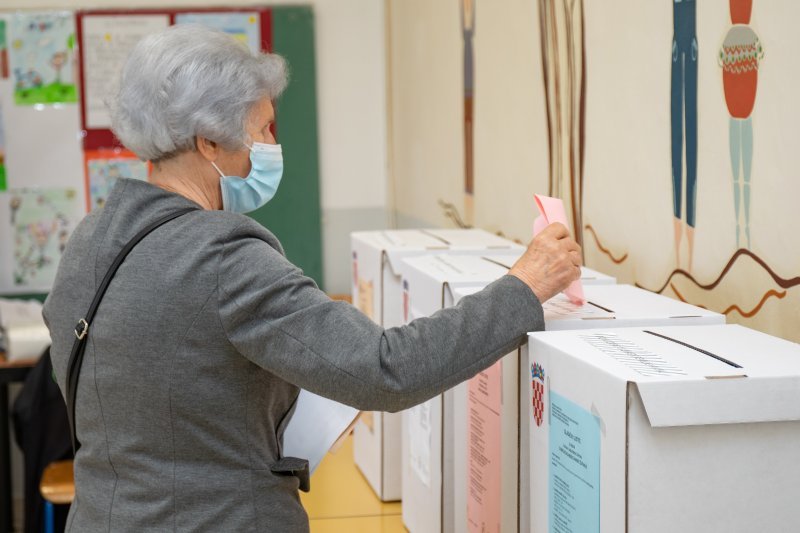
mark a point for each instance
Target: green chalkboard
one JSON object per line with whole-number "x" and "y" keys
{"x": 294, "y": 215}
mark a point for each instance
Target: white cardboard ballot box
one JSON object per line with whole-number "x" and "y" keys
{"x": 485, "y": 445}
{"x": 377, "y": 292}
{"x": 429, "y": 284}
{"x": 663, "y": 430}
{"x": 588, "y": 276}
{"x": 607, "y": 306}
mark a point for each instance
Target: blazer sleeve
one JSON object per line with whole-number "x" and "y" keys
{"x": 277, "y": 318}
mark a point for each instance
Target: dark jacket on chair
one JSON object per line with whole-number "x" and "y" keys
{"x": 42, "y": 433}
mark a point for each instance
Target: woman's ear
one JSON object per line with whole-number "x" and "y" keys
{"x": 207, "y": 148}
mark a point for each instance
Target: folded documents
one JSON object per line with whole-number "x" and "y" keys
{"x": 317, "y": 425}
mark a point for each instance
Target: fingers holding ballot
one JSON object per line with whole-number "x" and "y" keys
{"x": 552, "y": 262}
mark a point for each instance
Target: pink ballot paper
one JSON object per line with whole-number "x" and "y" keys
{"x": 552, "y": 210}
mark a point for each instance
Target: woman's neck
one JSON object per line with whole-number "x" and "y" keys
{"x": 183, "y": 174}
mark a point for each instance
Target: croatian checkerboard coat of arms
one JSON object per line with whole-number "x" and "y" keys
{"x": 537, "y": 388}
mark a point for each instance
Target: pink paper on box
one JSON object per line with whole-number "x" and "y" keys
{"x": 484, "y": 441}
{"x": 552, "y": 210}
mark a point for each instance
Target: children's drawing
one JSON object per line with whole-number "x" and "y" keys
{"x": 42, "y": 53}
{"x": 244, "y": 27}
{"x": 739, "y": 58}
{"x": 41, "y": 222}
{"x": 103, "y": 171}
{"x": 3, "y": 51}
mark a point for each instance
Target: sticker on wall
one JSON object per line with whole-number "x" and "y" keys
{"x": 104, "y": 168}
{"x": 43, "y": 59}
{"x": 41, "y": 222}
{"x": 365, "y": 298}
{"x": 244, "y": 27}
{"x": 537, "y": 390}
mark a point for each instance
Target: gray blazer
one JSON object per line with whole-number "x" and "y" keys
{"x": 196, "y": 354}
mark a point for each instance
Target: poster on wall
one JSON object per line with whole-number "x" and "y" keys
{"x": 39, "y": 223}
{"x": 244, "y": 27}
{"x": 107, "y": 41}
{"x": 104, "y": 168}
{"x": 42, "y": 57}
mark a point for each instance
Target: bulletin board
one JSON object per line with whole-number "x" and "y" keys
{"x": 59, "y": 158}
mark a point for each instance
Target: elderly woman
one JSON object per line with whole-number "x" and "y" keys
{"x": 198, "y": 349}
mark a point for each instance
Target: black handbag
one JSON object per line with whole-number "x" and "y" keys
{"x": 82, "y": 329}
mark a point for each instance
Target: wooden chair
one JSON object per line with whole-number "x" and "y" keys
{"x": 57, "y": 488}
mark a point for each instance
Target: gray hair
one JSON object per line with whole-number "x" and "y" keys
{"x": 187, "y": 81}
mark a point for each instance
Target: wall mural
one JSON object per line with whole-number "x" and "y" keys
{"x": 564, "y": 74}
{"x": 670, "y": 140}
{"x": 468, "y": 32}
{"x": 756, "y": 283}
{"x": 683, "y": 113}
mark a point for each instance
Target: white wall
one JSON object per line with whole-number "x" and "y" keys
{"x": 351, "y": 98}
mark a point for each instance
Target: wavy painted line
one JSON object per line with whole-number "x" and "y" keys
{"x": 783, "y": 283}
{"x": 746, "y": 314}
{"x": 451, "y": 212}
{"x": 681, "y": 298}
{"x": 756, "y": 309}
{"x": 604, "y": 249}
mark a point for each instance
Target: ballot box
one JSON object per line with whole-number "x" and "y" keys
{"x": 663, "y": 429}
{"x": 607, "y": 306}
{"x": 484, "y": 444}
{"x": 377, "y": 292}
{"x": 588, "y": 276}
{"x": 429, "y": 284}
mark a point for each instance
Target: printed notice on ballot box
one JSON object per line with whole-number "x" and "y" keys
{"x": 574, "y": 477}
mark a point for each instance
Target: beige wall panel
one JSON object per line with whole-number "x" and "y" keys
{"x": 511, "y": 150}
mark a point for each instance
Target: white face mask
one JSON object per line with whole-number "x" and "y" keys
{"x": 243, "y": 195}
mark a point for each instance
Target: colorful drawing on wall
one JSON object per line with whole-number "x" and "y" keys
{"x": 41, "y": 222}
{"x": 564, "y": 73}
{"x": 468, "y": 32}
{"x": 3, "y": 51}
{"x": 739, "y": 59}
{"x": 244, "y": 27}
{"x": 104, "y": 168}
{"x": 3, "y": 181}
{"x": 683, "y": 113}
{"x": 42, "y": 53}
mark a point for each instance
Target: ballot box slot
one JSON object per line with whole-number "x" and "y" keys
{"x": 695, "y": 348}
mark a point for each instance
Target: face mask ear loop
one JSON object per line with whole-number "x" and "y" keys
{"x": 218, "y": 170}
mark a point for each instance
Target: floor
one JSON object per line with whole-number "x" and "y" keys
{"x": 341, "y": 500}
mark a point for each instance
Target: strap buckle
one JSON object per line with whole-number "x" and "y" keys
{"x": 82, "y": 329}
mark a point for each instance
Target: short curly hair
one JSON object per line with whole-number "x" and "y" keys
{"x": 187, "y": 81}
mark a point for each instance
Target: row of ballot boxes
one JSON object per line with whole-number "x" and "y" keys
{"x": 633, "y": 412}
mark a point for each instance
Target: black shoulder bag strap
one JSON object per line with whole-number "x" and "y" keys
{"x": 82, "y": 329}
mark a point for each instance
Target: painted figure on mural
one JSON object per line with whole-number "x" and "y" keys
{"x": 739, "y": 58}
{"x": 683, "y": 108}
{"x": 468, "y": 28}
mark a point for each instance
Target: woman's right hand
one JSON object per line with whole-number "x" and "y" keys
{"x": 551, "y": 262}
